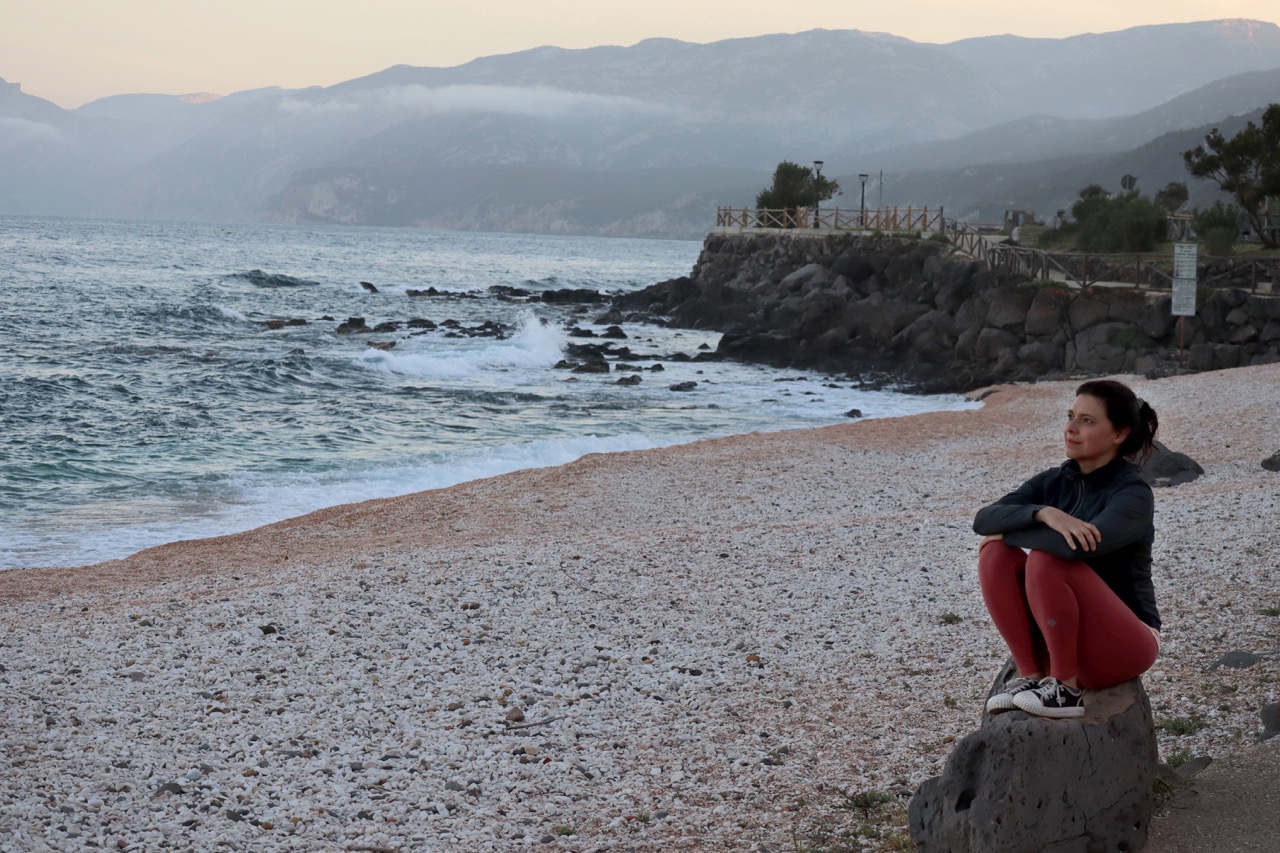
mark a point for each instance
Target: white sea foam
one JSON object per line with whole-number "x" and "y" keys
{"x": 534, "y": 345}
{"x": 231, "y": 314}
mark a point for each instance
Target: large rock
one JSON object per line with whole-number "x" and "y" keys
{"x": 1024, "y": 783}
{"x": 1048, "y": 311}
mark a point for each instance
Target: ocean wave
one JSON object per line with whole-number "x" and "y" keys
{"x": 534, "y": 345}
{"x": 258, "y": 278}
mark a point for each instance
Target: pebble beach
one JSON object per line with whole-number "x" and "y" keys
{"x": 713, "y": 646}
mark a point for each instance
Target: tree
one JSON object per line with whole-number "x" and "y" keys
{"x": 1218, "y": 226}
{"x": 1173, "y": 196}
{"x": 1248, "y": 166}
{"x": 1127, "y": 222}
{"x": 795, "y": 186}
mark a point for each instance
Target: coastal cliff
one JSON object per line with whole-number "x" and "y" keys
{"x": 894, "y": 309}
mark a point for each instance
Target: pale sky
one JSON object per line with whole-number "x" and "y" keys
{"x": 74, "y": 51}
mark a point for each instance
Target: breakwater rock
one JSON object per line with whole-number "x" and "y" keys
{"x": 893, "y": 309}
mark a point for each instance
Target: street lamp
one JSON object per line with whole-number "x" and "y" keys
{"x": 863, "y": 177}
{"x": 817, "y": 190}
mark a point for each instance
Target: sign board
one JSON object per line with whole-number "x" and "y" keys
{"x": 1184, "y": 279}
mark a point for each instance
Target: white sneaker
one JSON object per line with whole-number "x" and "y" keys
{"x": 1003, "y": 701}
{"x": 1052, "y": 699}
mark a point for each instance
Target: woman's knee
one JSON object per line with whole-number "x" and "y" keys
{"x": 997, "y": 560}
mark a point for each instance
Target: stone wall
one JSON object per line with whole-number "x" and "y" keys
{"x": 896, "y": 309}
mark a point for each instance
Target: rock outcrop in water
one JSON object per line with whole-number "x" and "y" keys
{"x": 895, "y": 309}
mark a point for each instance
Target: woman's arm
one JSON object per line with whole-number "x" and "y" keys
{"x": 1126, "y": 518}
{"x": 1014, "y": 511}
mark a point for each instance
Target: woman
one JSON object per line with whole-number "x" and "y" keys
{"x": 1065, "y": 562}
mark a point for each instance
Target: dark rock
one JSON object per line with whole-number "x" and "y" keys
{"x": 1270, "y": 720}
{"x": 579, "y": 332}
{"x": 571, "y": 296}
{"x": 991, "y": 343}
{"x": 897, "y": 309}
{"x": 853, "y": 413}
{"x": 1086, "y": 310}
{"x": 1126, "y": 306}
{"x": 1166, "y": 467}
{"x": 419, "y": 323}
{"x": 657, "y": 367}
{"x": 1027, "y": 783}
{"x": 295, "y": 321}
{"x": 684, "y": 386}
{"x": 1048, "y": 310}
{"x": 388, "y": 326}
{"x": 1157, "y": 318}
{"x": 382, "y": 345}
{"x": 353, "y": 325}
{"x": 266, "y": 279}
{"x": 1272, "y": 462}
{"x": 614, "y": 333}
{"x": 633, "y": 379}
{"x": 596, "y": 366}
{"x": 274, "y": 325}
{"x": 169, "y": 788}
{"x": 268, "y": 629}
{"x": 369, "y": 287}
{"x": 1009, "y": 306}
{"x": 1236, "y": 660}
{"x": 430, "y": 291}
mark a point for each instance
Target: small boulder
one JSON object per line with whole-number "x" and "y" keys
{"x": 369, "y": 287}
{"x": 1166, "y": 467}
{"x": 1270, "y": 720}
{"x": 684, "y": 386}
{"x": 1272, "y": 462}
{"x": 1028, "y": 783}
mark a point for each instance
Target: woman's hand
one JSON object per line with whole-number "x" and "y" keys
{"x": 1079, "y": 534}
{"x": 987, "y": 540}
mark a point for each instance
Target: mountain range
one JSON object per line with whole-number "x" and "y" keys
{"x": 648, "y": 140}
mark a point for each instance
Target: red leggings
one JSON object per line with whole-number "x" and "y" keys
{"x": 1059, "y": 618}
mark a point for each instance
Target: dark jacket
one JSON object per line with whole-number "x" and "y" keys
{"x": 1114, "y": 498}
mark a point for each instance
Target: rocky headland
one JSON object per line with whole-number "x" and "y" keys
{"x": 913, "y": 311}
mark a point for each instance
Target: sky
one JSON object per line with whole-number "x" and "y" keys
{"x": 74, "y": 51}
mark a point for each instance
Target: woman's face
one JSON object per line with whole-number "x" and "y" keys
{"x": 1089, "y": 436}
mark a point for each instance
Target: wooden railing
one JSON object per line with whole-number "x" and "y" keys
{"x": 894, "y": 219}
{"x": 998, "y": 254}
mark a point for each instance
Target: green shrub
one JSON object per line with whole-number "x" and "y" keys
{"x": 1127, "y": 222}
{"x": 1219, "y": 242}
{"x": 1218, "y": 225}
{"x": 1182, "y": 725}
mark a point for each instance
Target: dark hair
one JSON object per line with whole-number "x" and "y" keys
{"x": 1126, "y": 409}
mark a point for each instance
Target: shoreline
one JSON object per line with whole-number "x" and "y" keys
{"x": 733, "y": 633}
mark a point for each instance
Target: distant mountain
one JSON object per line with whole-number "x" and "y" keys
{"x": 982, "y": 193}
{"x": 1041, "y": 137}
{"x": 647, "y": 139}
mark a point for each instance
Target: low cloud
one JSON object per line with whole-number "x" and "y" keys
{"x": 21, "y": 130}
{"x": 529, "y": 101}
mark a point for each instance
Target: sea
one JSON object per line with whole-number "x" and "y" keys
{"x": 162, "y": 381}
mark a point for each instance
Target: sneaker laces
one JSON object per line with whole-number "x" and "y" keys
{"x": 1052, "y": 688}
{"x": 1019, "y": 684}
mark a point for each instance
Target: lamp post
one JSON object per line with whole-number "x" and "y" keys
{"x": 817, "y": 190}
{"x": 863, "y": 177}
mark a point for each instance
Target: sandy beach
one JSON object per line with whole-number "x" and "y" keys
{"x": 705, "y": 647}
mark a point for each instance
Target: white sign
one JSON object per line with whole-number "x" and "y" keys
{"x": 1184, "y": 279}
{"x": 1184, "y": 297}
